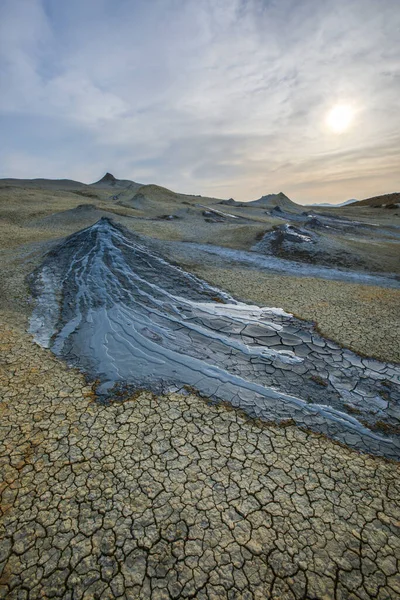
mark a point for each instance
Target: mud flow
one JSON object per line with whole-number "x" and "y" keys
{"x": 109, "y": 304}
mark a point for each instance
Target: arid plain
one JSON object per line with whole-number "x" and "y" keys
{"x": 169, "y": 495}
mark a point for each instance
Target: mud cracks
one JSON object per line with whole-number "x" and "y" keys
{"x": 106, "y": 302}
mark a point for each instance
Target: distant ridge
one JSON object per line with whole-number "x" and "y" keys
{"x": 331, "y": 205}
{"x": 384, "y": 200}
{"x": 123, "y": 187}
{"x": 54, "y": 184}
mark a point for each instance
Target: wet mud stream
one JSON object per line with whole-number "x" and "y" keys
{"x": 109, "y": 304}
{"x": 273, "y": 264}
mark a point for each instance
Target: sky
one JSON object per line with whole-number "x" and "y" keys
{"x": 225, "y": 98}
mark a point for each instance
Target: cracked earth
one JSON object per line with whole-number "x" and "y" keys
{"x": 171, "y": 497}
{"x": 109, "y": 305}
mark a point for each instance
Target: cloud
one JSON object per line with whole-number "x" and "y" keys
{"x": 224, "y": 97}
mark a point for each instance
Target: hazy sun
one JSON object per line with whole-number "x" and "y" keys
{"x": 339, "y": 118}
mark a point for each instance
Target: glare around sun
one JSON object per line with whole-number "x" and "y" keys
{"x": 339, "y": 118}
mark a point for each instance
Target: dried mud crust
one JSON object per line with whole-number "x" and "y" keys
{"x": 365, "y": 319}
{"x": 169, "y": 497}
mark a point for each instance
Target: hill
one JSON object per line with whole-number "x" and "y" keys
{"x": 273, "y": 200}
{"x": 331, "y": 205}
{"x": 269, "y": 201}
{"x": 384, "y": 200}
{"x": 156, "y": 192}
{"x": 109, "y": 181}
{"x": 48, "y": 184}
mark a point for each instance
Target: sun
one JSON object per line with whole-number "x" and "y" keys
{"x": 339, "y": 118}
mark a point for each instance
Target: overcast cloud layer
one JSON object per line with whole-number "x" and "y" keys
{"x": 216, "y": 97}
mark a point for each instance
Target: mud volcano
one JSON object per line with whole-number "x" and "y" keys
{"x": 109, "y": 304}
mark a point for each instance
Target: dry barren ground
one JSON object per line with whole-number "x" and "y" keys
{"x": 169, "y": 497}
{"x": 364, "y": 318}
